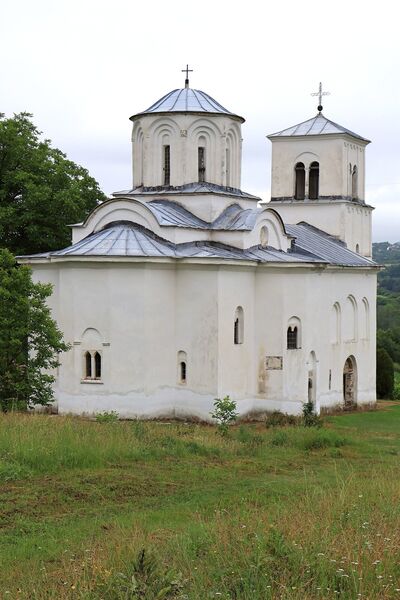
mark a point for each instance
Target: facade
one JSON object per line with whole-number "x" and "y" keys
{"x": 185, "y": 288}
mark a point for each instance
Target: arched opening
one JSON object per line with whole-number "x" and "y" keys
{"x": 201, "y": 160}
{"x": 314, "y": 181}
{"x": 336, "y": 323}
{"x": 88, "y": 365}
{"x": 358, "y": 248}
{"x": 300, "y": 185}
{"x": 97, "y": 365}
{"x": 292, "y": 338}
{"x": 238, "y": 326}
{"x": 227, "y": 167}
{"x": 182, "y": 367}
{"x": 350, "y": 383}
{"x": 166, "y": 164}
{"x": 350, "y": 318}
{"x": 354, "y": 183}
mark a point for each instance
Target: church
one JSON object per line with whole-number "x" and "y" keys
{"x": 185, "y": 288}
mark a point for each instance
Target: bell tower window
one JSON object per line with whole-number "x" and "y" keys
{"x": 300, "y": 184}
{"x": 201, "y": 163}
{"x": 314, "y": 181}
{"x": 354, "y": 183}
{"x": 166, "y": 165}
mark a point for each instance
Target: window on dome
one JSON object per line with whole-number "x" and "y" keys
{"x": 201, "y": 163}
{"x": 314, "y": 181}
{"x": 300, "y": 185}
{"x": 166, "y": 165}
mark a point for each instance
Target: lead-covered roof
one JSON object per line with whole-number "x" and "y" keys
{"x": 318, "y": 125}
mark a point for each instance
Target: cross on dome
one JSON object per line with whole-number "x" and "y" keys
{"x": 187, "y": 71}
{"x": 320, "y": 93}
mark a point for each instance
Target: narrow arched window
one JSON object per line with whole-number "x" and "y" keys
{"x": 166, "y": 164}
{"x": 97, "y": 365}
{"x": 354, "y": 183}
{"x": 314, "y": 181}
{"x": 182, "y": 367}
{"x": 88, "y": 365}
{"x": 201, "y": 152}
{"x": 300, "y": 184}
{"x": 238, "y": 326}
{"x": 227, "y": 167}
{"x": 292, "y": 338}
{"x": 358, "y": 248}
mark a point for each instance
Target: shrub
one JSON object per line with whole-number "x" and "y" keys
{"x": 107, "y": 417}
{"x": 310, "y": 417}
{"x": 396, "y": 391}
{"x": 384, "y": 374}
{"x": 224, "y": 413}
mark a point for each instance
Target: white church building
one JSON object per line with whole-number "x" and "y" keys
{"x": 185, "y": 288}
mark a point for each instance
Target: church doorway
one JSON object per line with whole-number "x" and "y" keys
{"x": 350, "y": 383}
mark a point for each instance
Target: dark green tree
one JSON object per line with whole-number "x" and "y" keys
{"x": 41, "y": 191}
{"x": 30, "y": 341}
{"x": 384, "y": 374}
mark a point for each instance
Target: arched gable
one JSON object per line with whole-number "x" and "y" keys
{"x": 269, "y": 226}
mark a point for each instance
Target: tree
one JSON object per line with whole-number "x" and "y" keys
{"x": 30, "y": 341}
{"x": 384, "y": 374}
{"x": 41, "y": 191}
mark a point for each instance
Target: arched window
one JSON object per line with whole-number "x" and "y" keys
{"x": 182, "y": 367}
{"x": 166, "y": 164}
{"x": 238, "y": 326}
{"x": 97, "y": 365}
{"x": 300, "y": 185}
{"x": 264, "y": 236}
{"x": 88, "y": 365}
{"x": 201, "y": 151}
{"x": 358, "y": 248}
{"x": 354, "y": 183}
{"x": 336, "y": 323}
{"x": 314, "y": 181}
{"x": 365, "y": 326}
{"x": 292, "y": 338}
{"x": 350, "y": 320}
{"x": 293, "y": 334}
{"x": 227, "y": 167}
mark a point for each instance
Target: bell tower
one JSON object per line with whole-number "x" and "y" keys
{"x": 318, "y": 176}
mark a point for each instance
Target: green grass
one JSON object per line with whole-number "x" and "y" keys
{"x": 284, "y": 512}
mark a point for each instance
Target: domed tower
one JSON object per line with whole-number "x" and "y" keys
{"x": 318, "y": 176}
{"x": 186, "y": 137}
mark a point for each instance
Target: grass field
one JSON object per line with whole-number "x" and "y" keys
{"x": 148, "y": 511}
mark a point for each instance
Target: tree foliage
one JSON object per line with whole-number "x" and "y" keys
{"x": 41, "y": 191}
{"x": 384, "y": 374}
{"x": 29, "y": 338}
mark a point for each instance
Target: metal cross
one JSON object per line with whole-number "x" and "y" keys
{"x": 187, "y": 71}
{"x": 320, "y": 93}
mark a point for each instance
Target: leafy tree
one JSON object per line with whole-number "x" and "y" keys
{"x": 41, "y": 191}
{"x": 29, "y": 338}
{"x": 384, "y": 374}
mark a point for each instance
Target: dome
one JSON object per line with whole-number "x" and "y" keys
{"x": 187, "y": 100}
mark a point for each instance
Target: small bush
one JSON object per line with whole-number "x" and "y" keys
{"x": 279, "y": 419}
{"x": 310, "y": 417}
{"x": 107, "y": 417}
{"x": 224, "y": 413}
{"x": 396, "y": 391}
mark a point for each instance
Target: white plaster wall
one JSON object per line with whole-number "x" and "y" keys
{"x": 333, "y": 153}
{"x": 146, "y": 313}
{"x": 182, "y": 131}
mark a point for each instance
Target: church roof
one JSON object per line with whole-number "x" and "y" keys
{"x": 187, "y": 100}
{"x": 128, "y": 239}
{"x": 195, "y": 187}
{"x": 318, "y": 125}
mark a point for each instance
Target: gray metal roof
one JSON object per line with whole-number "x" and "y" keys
{"x": 233, "y": 218}
{"x": 188, "y": 188}
{"x": 310, "y": 240}
{"x": 187, "y": 100}
{"x": 126, "y": 239}
{"x": 318, "y": 125}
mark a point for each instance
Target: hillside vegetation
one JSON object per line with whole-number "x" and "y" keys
{"x": 134, "y": 510}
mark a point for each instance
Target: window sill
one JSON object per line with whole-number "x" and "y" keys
{"x": 92, "y": 381}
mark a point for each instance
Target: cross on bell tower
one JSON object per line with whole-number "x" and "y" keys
{"x": 187, "y": 71}
{"x": 320, "y": 93}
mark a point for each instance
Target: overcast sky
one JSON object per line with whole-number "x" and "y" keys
{"x": 83, "y": 67}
